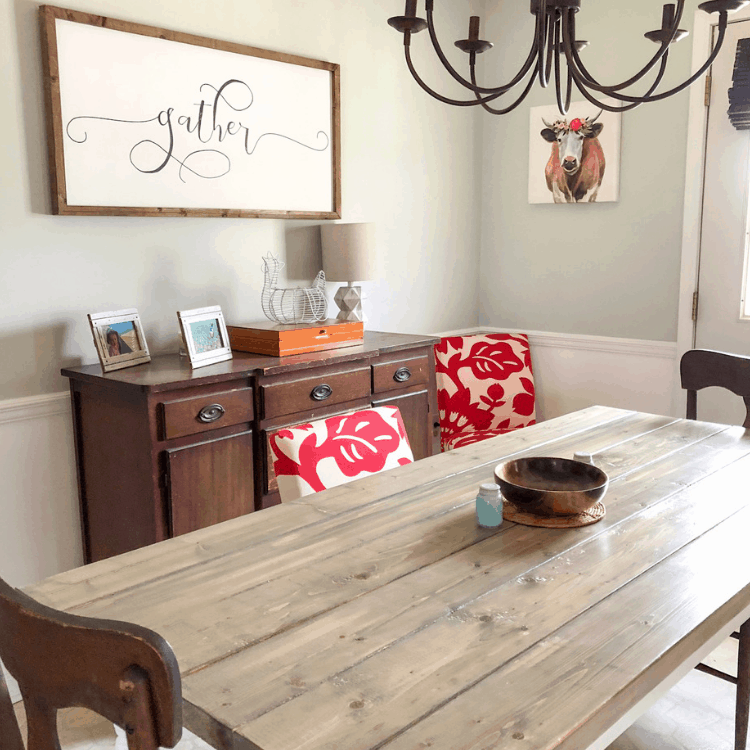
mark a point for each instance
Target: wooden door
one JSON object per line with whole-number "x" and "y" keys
{"x": 210, "y": 482}
{"x": 415, "y": 411}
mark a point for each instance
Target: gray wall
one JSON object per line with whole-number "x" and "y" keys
{"x": 608, "y": 269}
{"x": 409, "y": 165}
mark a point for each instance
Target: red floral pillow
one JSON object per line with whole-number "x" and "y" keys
{"x": 319, "y": 455}
{"x": 485, "y": 385}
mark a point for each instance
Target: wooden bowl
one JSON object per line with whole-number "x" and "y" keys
{"x": 551, "y": 486}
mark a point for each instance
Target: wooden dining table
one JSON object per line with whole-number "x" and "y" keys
{"x": 379, "y": 615}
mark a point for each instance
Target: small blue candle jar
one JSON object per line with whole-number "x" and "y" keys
{"x": 489, "y": 506}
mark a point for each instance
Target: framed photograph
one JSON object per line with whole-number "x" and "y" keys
{"x": 205, "y": 335}
{"x": 119, "y": 339}
{"x": 574, "y": 158}
{"x": 144, "y": 121}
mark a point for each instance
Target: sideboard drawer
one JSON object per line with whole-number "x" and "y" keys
{"x": 207, "y": 412}
{"x": 280, "y": 399}
{"x": 400, "y": 374}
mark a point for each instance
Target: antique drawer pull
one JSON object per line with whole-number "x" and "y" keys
{"x": 211, "y": 413}
{"x": 402, "y": 374}
{"x": 321, "y": 392}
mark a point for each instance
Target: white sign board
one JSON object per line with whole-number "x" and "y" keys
{"x": 186, "y": 125}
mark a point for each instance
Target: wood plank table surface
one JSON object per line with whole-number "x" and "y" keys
{"x": 378, "y": 615}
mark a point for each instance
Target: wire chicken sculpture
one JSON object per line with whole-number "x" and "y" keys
{"x": 293, "y": 304}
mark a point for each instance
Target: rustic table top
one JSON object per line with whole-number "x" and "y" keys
{"x": 378, "y": 614}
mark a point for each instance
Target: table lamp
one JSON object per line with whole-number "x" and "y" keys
{"x": 348, "y": 255}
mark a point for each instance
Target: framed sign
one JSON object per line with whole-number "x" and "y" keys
{"x": 142, "y": 121}
{"x": 205, "y": 335}
{"x": 119, "y": 339}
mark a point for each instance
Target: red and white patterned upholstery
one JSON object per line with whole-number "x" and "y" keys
{"x": 319, "y": 455}
{"x": 485, "y": 387}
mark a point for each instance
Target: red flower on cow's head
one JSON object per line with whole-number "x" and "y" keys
{"x": 576, "y": 124}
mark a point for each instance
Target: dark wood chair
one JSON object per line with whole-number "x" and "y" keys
{"x": 701, "y": 368}
{"x": 124, "y": 672}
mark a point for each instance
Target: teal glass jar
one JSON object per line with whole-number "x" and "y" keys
{"x": 489, "y": 506}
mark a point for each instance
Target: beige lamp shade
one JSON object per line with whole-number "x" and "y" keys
{"x": 349, "y": 252}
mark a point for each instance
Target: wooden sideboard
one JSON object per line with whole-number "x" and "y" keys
{"x": 162, "y": 449}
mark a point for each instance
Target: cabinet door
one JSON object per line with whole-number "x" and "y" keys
{"x": 415, "y": 411}
{"x": 210, "y": 482}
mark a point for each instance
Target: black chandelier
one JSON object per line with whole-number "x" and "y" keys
{"x": 555, "y": 38}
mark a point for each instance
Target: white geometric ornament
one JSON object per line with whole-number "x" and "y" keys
{"x": 349, "y": 300}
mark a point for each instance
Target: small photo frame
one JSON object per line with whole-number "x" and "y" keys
{"x": 205, "y": 335}
{"x": 119, "y": 338}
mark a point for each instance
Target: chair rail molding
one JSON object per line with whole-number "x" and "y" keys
{"x": 573, "y": 371}
{"x": 34, "y": 407}
{"x": 581, "y": 341}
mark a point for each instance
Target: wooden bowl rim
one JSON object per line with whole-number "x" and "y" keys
{"x": 604, "y": 478}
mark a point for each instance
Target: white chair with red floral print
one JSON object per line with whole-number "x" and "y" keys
{"x": 485, "y": 387}
{"x": 319, "y": 455}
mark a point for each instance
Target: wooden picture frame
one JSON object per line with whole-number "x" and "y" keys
{"x": 143, "y": 121}
{"x": 119, "y": 331}
{"x": 205, "y": 335}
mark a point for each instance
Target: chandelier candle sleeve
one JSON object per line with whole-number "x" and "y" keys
{"x": 554, "y": 55}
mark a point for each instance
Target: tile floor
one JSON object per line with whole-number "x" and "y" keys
{"x": 697, "y": 714}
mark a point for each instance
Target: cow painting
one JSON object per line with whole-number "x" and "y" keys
{"x": 575, "y": 168}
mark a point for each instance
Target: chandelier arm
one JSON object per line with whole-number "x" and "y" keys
{"x": 580, "y": 85}
{"x": 563, "y": 108}
{"x": 551, "y": 33}
{"x": 698, "y": 73}
{"x": 538, "y": 31}
{"x": 544, "y": 47}
{"x": 466, "y": 84}
{"x": 650, "y": 97}
{"x": 571, "y": 54}
{"x": 511, "y": 107}
{"x": 525, "y": 68}
{"x": 434, "y": 94}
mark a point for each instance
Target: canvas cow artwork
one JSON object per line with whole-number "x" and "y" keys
{"x": 574, "y": 158}
{"x": 575, "y": 169}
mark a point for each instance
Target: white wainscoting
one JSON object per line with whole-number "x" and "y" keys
{"x": 40, "y": 531}
{"x": 573, "y": 371}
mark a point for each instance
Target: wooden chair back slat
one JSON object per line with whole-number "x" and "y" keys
{"x": 702, "y": 368}
{"x": 124, "y": 672}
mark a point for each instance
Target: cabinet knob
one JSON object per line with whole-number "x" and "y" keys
{"x": 211, "y": 413}
{"x": 321, "y": 392}
{"x": 402, "y": 374}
